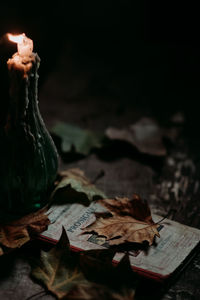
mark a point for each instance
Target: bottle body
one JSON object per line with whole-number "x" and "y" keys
{"x": 29, "y": 160}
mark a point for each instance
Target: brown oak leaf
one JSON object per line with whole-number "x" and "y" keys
{"x": 16, "y": 233}
{"x": 129, "y": 221}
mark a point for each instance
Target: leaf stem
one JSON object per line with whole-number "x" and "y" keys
{"x": 166, "y": 216}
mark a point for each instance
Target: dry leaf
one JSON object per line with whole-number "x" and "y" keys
{"x": 75, "y": 139}
{"x": 126, "y": 294}
{"x": 97, "y": 266}
{"x": 64, "y": 273}
{"x": 74, "y": 186}
{"x": 112, "y": 280}
{"x": 99, "y": 292}
{"x": 145, "y": 135}
{"x": 58, "y": 270}
{"x": 16, "y": 233}
{"x": 130, "y": 221}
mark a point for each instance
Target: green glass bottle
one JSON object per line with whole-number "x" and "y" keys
{"x": 28, "y": 156}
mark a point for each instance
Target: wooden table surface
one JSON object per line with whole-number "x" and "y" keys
{"x": 88, "y": 92}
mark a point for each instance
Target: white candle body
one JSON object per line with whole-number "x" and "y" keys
{"x": 26, "y": 47}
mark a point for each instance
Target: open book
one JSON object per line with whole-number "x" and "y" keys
{"x": 176, "y": 243}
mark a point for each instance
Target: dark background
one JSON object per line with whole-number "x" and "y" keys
{"x": 108, "y": 63}
{"x": 152, "y": 47}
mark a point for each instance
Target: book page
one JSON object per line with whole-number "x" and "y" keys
{"x": 174, "y": 245}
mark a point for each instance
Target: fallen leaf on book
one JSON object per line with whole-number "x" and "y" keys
{"x": 16, "y": 233}
{"x": 129, "y": 221}
{"x": 74, "y": 186}
{"x": 57, "y": 269}
{"x": 145, "y": 135}
{"x": 75, "y": 139}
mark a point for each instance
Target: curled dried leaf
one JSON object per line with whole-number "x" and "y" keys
{"x": 74, "y": 186}
{"x": 16, "y": 233}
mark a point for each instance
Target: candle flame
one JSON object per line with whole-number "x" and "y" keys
{"x": 24, "y": 44}
{"x": 16, "y": 38}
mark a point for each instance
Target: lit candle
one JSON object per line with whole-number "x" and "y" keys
{"x": 24, "y": 44}
{"x": 24, "y": 57}
{"x": 29, "y": 159}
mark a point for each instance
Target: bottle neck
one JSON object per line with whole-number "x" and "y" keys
{"x": 23, "y": 105}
